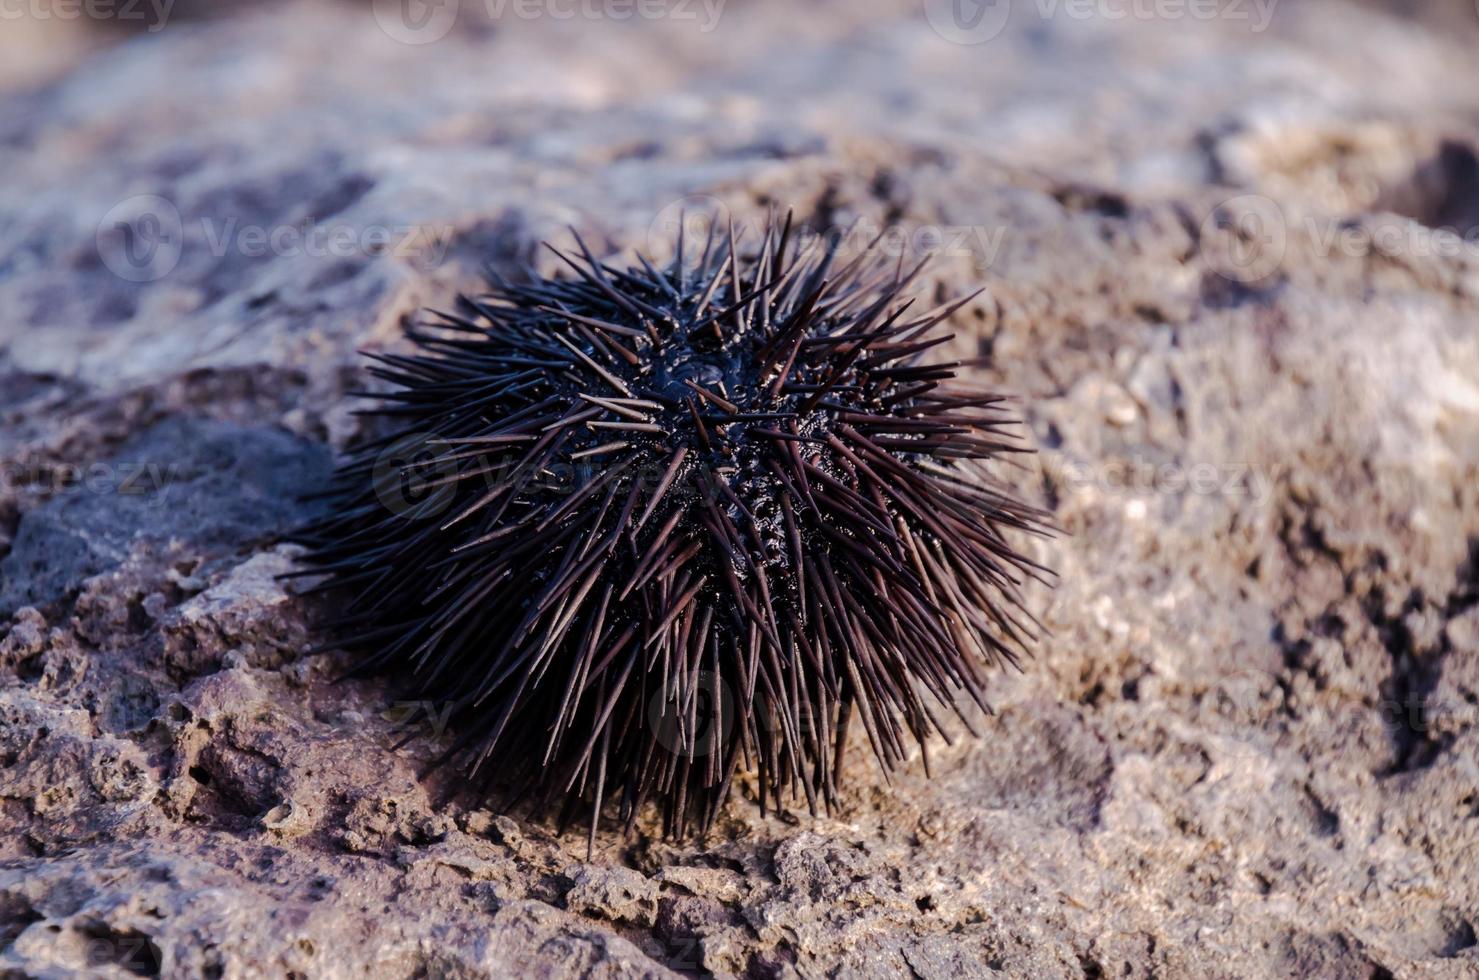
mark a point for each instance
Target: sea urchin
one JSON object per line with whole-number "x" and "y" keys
{"x": 665, "y": 524}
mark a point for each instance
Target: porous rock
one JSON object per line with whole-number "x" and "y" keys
{"x": 1248, "y": 746}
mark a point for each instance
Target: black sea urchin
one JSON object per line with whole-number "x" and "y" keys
{"x": 666, "y": 523}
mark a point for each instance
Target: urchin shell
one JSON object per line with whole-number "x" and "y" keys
{"x": 640, "y": 529}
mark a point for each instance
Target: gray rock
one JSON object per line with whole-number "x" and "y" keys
{"x": 1247, "y": 748}
{"x": 208, "y": 485}
{"x": 618, "y": 894}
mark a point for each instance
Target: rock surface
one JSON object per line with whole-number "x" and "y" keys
{"x": 1250, "y": 746}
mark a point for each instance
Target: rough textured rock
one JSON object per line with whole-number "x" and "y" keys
{"x": 1250, "y": 746}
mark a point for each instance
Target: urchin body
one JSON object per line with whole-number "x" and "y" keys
{"x": 671, "y": 523}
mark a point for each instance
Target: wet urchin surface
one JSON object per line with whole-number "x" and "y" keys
{"x": 641, "y": 529}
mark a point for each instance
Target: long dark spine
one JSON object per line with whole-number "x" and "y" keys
{"x": 778, "y": 517}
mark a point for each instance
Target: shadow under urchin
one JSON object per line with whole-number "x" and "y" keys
{"x": 671, "y": 523}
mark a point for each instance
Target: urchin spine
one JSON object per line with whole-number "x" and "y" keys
{"x": 774, "y": 516}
